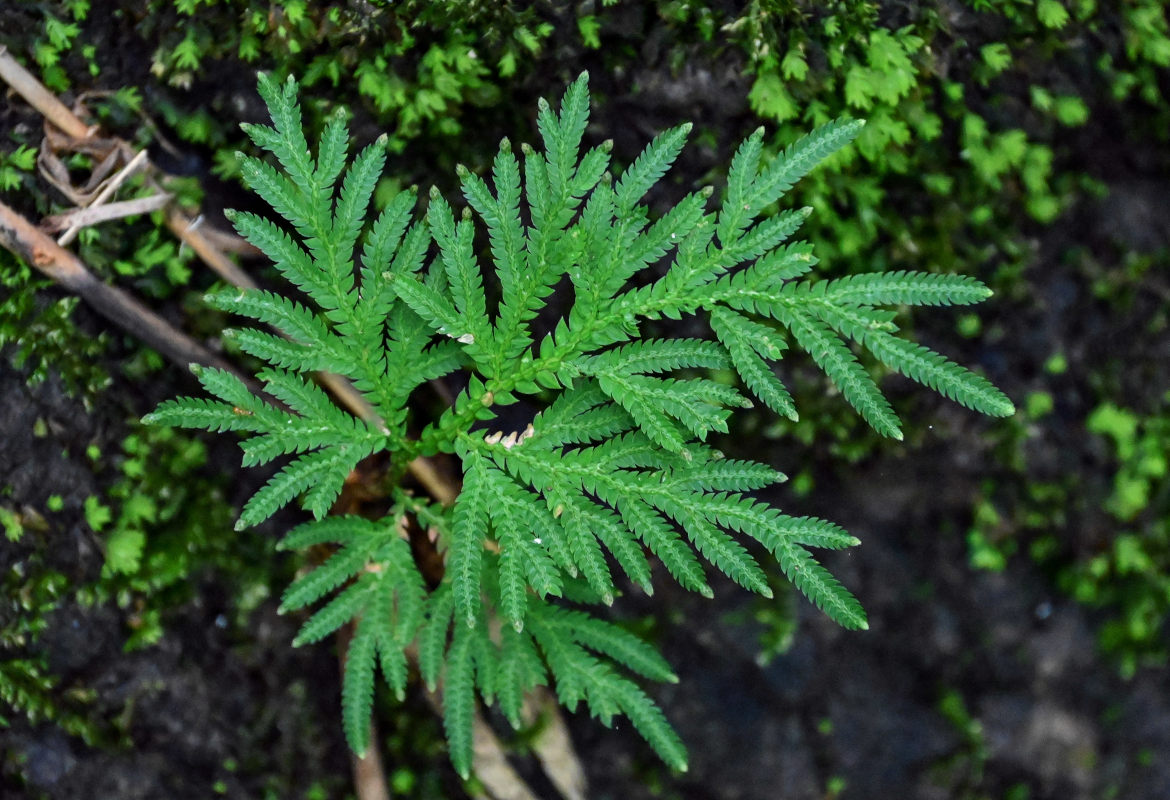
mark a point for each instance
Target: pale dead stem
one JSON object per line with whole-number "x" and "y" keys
{"x": 553, "y": 747}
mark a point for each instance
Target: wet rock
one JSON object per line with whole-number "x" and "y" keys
{"x": 1058, "y": 747}
{"x": 1133, "y": 215}
{"x": 48, "y": 759}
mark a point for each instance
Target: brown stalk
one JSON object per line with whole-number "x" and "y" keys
{"x": 38, "y": 249}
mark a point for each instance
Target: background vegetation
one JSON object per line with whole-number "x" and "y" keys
{"x": 1022, "y": 141}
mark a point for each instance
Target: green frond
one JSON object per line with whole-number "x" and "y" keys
{"x": 754, "y": 289}
{"x": 459, "y": 701}
{"x": 410, "y": 594}
{"x": 649, "y": 167}
{"x": 691, "y": 402}
{"x": 854, "y": 322}
{"x": 820, "y": 587}
{"x": 289, "y": 146}
{"x": 527, "y": 534}
{"x": 583, "y": 544}
{"x": 357, "y": 685}
{"x": 651, "y": 723}
{"x": 616, "y": 537}
{"x": 383, "y": 245}
{"x": 727, "y": 555}
{"x": 642, "y": 399}
{"x": 501, "y": 215}
{"x": 296, "y": 437}
{"x": 458, "y": 255}
{"x": 349, "y": 215}
{"x": 513, "y": 585}
{"x": 288, "y": 316}
{"x": 741, "y": 174}
{"x": 590, "y": 169}
{"x": 579, "y": 415}
{"x": 432, "y": 637}
{"x": 289, "y": 257}
{"x": 612, "y": 640}
{"x": 321, "y": 473}
{"x": 798, "y": 159}
{"x": 434, "y": 308}
{"x": 229, "y": 388}
{"x": 485, "y": 654}
{"x": 614, "y": 466}
{"x": 649, "y": 246}
{"x": 281, "y": 193}
{"x": 411, "y": 255}
{"x": 330, "y": 530}
{"x": 322, "y": 580}
{"x": 469, "y": 524}
{"x": 208, "y": 415}
{"x": 927, "y": 367}
{"x": 279, "y": 351}
{"x": 348, "y": 605}
{"x": 391, "y": 657}
{"x": 767, "y": 235}
{"x": 562, "y": 145}
{"x": 520, "y": 670}
{"x": 304, "y": 397}
{"x": 332, "y": 151}
{"x": 759, "y": 377}
{"x": 905, "y": 288}
{"x": 665, "y": 543}
{"x": 542, "y": 569}
{"x": 574, "y": 671}
{"x": 537, "y": 191}
{"x": 656, "y": 355}
{"x": 722, "y": 475}
{"x": 814, "y": 532}
{"x": 837, "y": 361}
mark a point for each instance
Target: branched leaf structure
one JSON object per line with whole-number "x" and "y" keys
{"x": 614, "y": 472}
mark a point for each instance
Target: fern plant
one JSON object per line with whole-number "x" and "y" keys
{"x": 612, "y": 471}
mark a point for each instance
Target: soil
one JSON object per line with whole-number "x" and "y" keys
{"x": 231, "y": 708}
